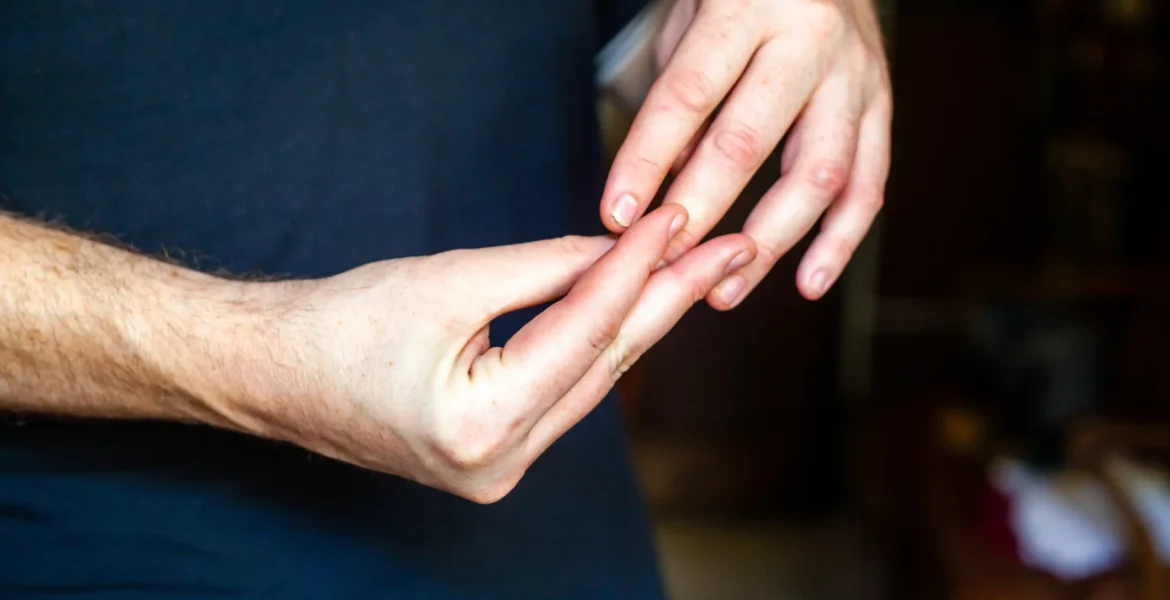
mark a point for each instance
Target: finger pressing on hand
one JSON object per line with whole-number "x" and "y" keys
{"x": 849, "y": 219}
{"x": 668, "y": 295}
{"x": 549, "y": 354}
{"x": 704, "y": 67}
{"x": 821, "y": 169}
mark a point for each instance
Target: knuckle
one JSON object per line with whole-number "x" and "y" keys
{"x": 693, "y": 289}
{"x": 769, "y": 252}
{"x": 824, "y": 18}
{"x": 828, "y": 178}
{"x": 873, "y": 201}
{"x": 648, "y": 163}
{"x": 490, "y": 492}
{"x": 620, "y": 369}
{"x": 468, "y": 445}
{"x": 860, "y": 60}
{"x": 603, "y": 334}
{"x": 741, "y": 145}
{"x": 868, "y": 197}
{"x": 620, "y": 357}
{"x": 573, "y": 244}
{"x": 467, "y": 455}
{"x": 690, "y": 90}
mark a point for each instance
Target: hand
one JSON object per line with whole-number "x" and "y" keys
{"x": 395, "y": 371}
{"x": 770, "y": 64}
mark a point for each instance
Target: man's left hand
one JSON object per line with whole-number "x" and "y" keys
{"x": 738, "y": 74}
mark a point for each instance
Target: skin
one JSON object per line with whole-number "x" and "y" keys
{"x": 388, "y": 366}
{"x": 735, "y": 77}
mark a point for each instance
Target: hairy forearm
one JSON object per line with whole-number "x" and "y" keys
{"x": 87, "y": 329}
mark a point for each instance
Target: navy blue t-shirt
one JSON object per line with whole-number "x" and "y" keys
{"x": 304, "y": 138}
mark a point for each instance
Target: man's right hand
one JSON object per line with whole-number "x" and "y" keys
{"x": 389, "y": 366}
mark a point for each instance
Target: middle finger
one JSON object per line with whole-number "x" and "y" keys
{"x": 759, "y": 110}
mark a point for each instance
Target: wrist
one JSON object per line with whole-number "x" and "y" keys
{"x": 219, "y": 348}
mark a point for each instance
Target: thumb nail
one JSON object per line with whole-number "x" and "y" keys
{"x": 677, "y": 225}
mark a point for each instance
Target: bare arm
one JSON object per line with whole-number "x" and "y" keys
{"x": 87, "y": 329}
{"x": 388, "y": 366}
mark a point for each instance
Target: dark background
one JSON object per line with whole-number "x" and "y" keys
{"x": 1014, "y": 280}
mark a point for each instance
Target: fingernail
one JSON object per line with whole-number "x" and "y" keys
{"x": 624, "y": 210}
{"x": 677, "y": 225}
{"x": 818, "y": 282}
{"x": 731, "y": 289}
{"x": 740, "y": 261}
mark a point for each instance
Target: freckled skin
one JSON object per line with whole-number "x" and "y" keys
{"x": 737, "y": 76}
{"x": 381, "y": 368}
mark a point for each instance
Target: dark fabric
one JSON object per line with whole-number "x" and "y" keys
{"x": 304, "y": 138}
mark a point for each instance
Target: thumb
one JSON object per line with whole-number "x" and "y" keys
{"x": 503, "y": 279}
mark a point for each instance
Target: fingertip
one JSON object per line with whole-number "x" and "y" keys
{"x": 749, "y": 246}
{"x": 815, "y": 282}
{"x": 675, "y": 210}
{"x": 608, "y": 220}
{"x": 621, "y": 213}
{"x": 742, "y": 276}
{"x": 729, "y": 293}
{"x": 590, "y": 246}
{"x": 742, "y": 259}
{"x": 677, "y": 222}
{"x": 720, "y": 263}
{"x": 672, "y": 217}
{"x": 739, "y": 250}
{"x": 806, "y": 293}
{"x": 682, "y": 242}
{"x": 717, "y": 303}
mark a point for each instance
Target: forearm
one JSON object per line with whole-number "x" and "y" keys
{"x": 90, "y": 330}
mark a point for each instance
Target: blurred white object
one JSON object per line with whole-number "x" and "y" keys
{"x": 1066, "y": 524}
{"x": 626, "y": 66}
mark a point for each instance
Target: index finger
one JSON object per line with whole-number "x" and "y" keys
{"x": 704, "y": 67}
{"x": 553, "y": 351}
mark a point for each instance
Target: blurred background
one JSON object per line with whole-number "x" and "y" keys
{"x": 979, "y": 409}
